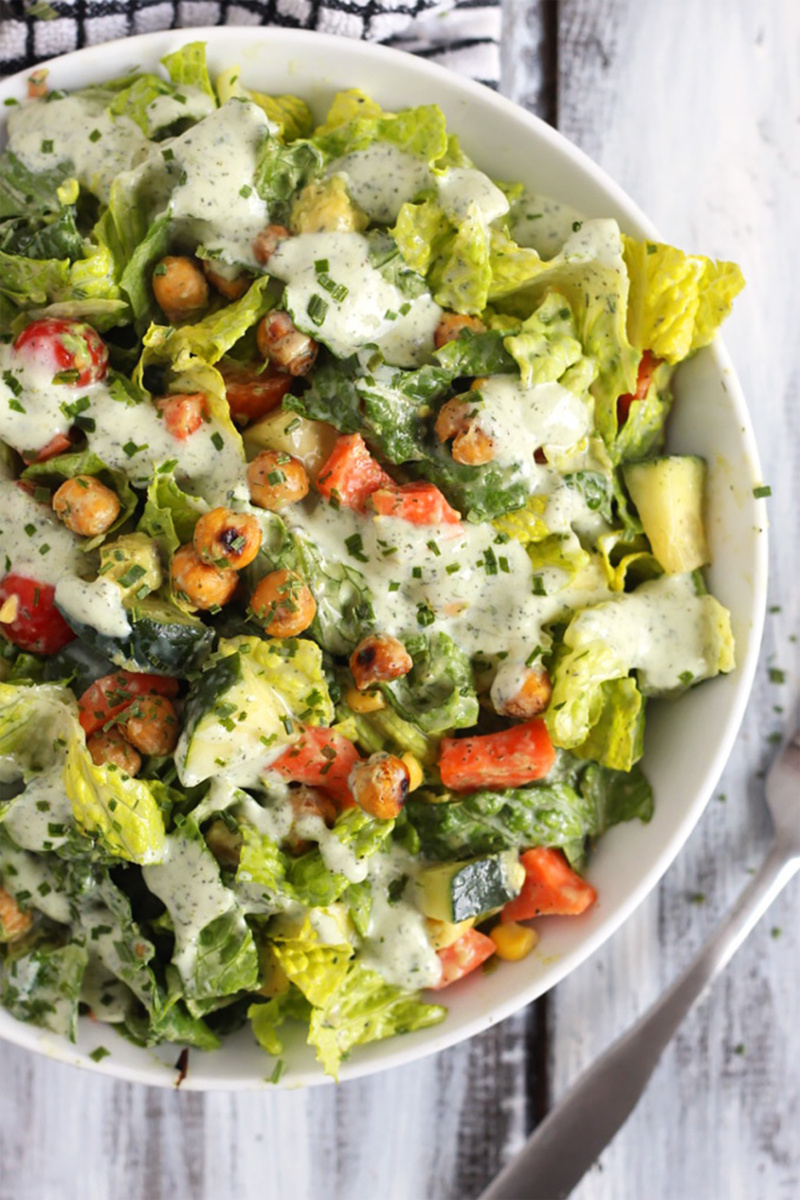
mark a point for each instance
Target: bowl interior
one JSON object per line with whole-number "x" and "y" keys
{"x": 710, "y": 418}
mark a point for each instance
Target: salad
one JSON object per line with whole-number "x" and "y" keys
{"x": 341, "y": 557}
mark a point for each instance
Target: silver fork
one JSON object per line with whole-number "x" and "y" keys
{"x": 573, "y": 1134}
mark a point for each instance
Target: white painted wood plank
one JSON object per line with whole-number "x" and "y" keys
{"x": 436, "y": 1129}
{"x": 694, "y": 109}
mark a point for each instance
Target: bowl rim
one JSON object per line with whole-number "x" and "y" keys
{"x": 397, "y": 1051}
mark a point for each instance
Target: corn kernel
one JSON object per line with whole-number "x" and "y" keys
{"x": 364, "y": 702}
{"x": 414, "y": 770}
{"x": 513, "y": 941}
{"x": 9, "y": 611}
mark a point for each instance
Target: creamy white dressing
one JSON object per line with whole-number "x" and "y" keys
{"x": 191, "y": 103}
{"x": 41, "y": 817}
{"x": 107, "y": 998}
{"x": 462, "y": 189}
{"x": 215, "y": 199}
{"x": 338, "y": 858}
{"x": 33, "y": 542}
{"x": 661, "y": 630}
{"x": 543, "y": 223}
{"x": 381, "y": 178}
{"x": 187, "y": 881}
{"x": 130, "y": 438}
{"x": 522, "y": 420}
{"x": 98, "y": 602}
{"x": 487, "y": 610}
{"x": 397, "y": 944}
{"x": 373, "y": 311}
{"x": 31, "y": 878}
{"x": 78, "y": 130}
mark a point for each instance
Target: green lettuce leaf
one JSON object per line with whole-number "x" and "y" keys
{"x": 214, "y": 949}
{"x": 315, "y": 968}
{"x": 364, "y": 1008}
{"x": 169, "y": 514}
{"x": 213, "y": 336}
{"x": 281, "y": 171}
{"x": 590, "y": 272}
{"x": 187, "y": 67}
{"x": 268, "y": 1017}
{"x": 36, "y": 724}
{"x": 355, "y": 122}
{"x": 86, "y": 462}
{"x": 547, "y": 343}
{"x": 438, "y": 693}
{"x": 488, "y": 822}
{"x": 677, "y": 300}
{"x": 42, "y": 986}
{"x": 290, "y": 113}
{"x": 125, "y": 815}
{"x": 616, "y": 740}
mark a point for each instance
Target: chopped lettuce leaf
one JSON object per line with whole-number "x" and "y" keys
{"x": 316, "y": 968}
{"x": 291, "y": 114}
{"x": 214, "y": 949}
{"x": 365, "y": 1008}
{"x": 125, "y": 815}
{"x": 677, "y": 300}
{"x": 547, "y": 344}
{"x": 35, "y": 724}
{"x": 187, "y": 68}
{"x": 438, "y": 693}
{"x": 213, "y": 336}
{"x": 616, "y": 740}
{"x": 43, "y": 986}
{"x": 354, "y": 122}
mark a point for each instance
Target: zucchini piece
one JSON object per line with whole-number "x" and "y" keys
{"x": 133, "y": 562}
{"x": 668, "y": 493}
{"x": 162, "y": 639}
{"x": 455, "y": 892}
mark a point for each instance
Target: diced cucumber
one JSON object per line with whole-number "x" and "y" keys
{"x": 454, "y": 892}
{"x": 668, "y": 493}
{"x": 162, "y": 639}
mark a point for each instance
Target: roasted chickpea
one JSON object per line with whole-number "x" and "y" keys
{"x": 86, "y": 506}
{"x": 111, "y": 748}
{"x": 531, "y": 698}
{"x": 284, "y": 604}
{"x": 450, "y": 326}
{"x": 307, "y": 802}
{"x": 180, "y": 288}
{"x": 203, "y": 585}
{"x": 151, "y": 725}
{"x": 380, "y": 785}
{"x": 282, "y": 344}
{"x": 183, "y": 413}
{"x": 252, "y": 390}
{"x": 230, "y": 282}
{"x": 456, "y": 420}
{"x": 267, "y": 242}
{"x": 378, "y": 658}
{"x": 14, "y": 922}
{"x": 276, "y": 479}
{"x": 227, "y": 539}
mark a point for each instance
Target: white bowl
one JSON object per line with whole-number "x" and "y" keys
{"x": 687, "y": 743}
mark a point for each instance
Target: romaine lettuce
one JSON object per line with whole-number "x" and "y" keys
{"x": 677, "y": 301}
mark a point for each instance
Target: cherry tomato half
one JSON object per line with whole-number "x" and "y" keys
{"x": 65, "y": 347}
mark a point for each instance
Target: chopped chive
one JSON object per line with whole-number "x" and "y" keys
{"x": 95, "y": 135}
{"x": 762, "y": 492}
{"x": 217, "y": 440}
{"x": 316, "y": 309}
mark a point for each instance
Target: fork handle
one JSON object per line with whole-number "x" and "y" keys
{"x": 574, "y": 1133}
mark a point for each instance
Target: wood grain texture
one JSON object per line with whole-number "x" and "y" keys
{"x": 694, "y": 109}
{"x": 693, "y": 106}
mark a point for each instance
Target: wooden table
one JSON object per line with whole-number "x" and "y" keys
{"x": 693, "y": 106}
